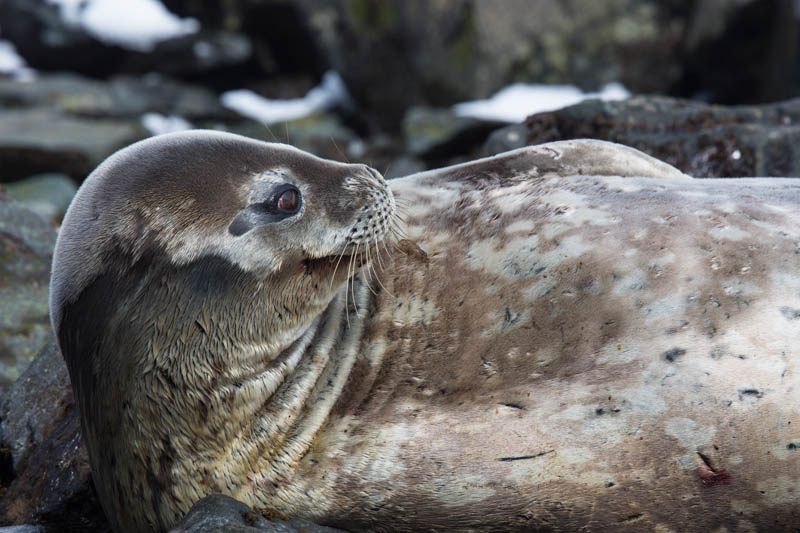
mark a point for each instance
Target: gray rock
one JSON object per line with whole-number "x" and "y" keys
{"x": 202, "y": 53}
{"x": 505, "y": 139}
{"x": 439, "y": 134}
{"x": 456, "y": 50}
{"x": 222, "y": 514}
{"x": 404, "y": 166}
{"x": 123, "y": 96}
{"x": 47, "y": 195}
{"x": 701, "y": 140}
{"x": 26, "y": 248}
{"x": 45, "y": 464}
{"x": 47, "y": 42}
{"x": 43, "y": 140}
{"x": 23, "y": 529}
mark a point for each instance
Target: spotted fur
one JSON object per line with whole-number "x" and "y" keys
{"x": 594, "y": 342}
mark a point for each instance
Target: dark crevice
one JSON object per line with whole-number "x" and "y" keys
{"x": 513, "y": 405}
{"x": 523, "y": 457}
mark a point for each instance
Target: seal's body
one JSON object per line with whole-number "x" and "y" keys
{"x": 593, "y": 340}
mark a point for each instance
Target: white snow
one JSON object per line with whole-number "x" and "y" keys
{"x": 515, "y": 102}
{"x": 330, "y": 92}
{"x": 11, "y": 62}
{"x": 133, "y": 24}
{"x": 157, "y": 124}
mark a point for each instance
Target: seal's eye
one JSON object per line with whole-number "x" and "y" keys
{"x": 289, "y": 200}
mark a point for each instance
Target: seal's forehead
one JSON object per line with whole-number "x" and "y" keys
{"x": 207, "y": 166}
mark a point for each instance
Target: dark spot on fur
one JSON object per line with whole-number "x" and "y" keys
{"x": 513, "y": 405}
{"x": 791, "y": 446}
{"x": 631, "y": 518}
{"x": 610, "y": 484}
{"x": 751, "y": 393}
{"x": 673, "y": 354}
{"x": 790, "y": 314}
{"x": 717, "y": 352}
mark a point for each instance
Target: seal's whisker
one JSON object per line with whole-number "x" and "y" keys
{"x": 399, "y": 232}
{"x": 377, "y": 250}
{"x": 386, "y": 247}
{"x": 333, "y": 276}
{"x": 269, "y": 130}
{"x": 353, "y": 281}
{"x": 377, "y": 277}
{"x": 368, "y": 274}
{"x": 339, "y": 150}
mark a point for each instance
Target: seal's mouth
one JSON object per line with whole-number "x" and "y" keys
{"x": 341, "y": 259}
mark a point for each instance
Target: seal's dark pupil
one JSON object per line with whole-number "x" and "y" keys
{"x": 288, "y": 200}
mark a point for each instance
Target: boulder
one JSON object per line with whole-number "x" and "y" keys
{"x": 123, "y": 96}
{"x": 437, "y": 135}
{"x": 26, "y": 251}
{"x": 45, "y": 140}
{"x": 455, "y": 50}
{"x": 49, "y": 42}
{"x": 700, "y": 139}
{"x": 45, "y": 467}
{"x": 47, "y": 195}
{"x": 222, "y": 514}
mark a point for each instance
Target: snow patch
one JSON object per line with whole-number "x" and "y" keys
{"x": 11, "y": 63}
{"x": 133, "y": 24}
{"x": 157, "y": 124}
{"x": 516, "y": 102}
{"x": 327, "y": 94}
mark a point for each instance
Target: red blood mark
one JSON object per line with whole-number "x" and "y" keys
{"x": 712, "y": 479}
{"x": 709, "y": 476}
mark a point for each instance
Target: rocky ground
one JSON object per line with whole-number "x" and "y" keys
{"x": 404, "y": 64}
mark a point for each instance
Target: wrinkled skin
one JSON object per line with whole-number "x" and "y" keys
{"x": 592, "y": 341}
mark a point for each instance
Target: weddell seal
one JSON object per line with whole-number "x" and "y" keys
{"x": 571, "y": 336}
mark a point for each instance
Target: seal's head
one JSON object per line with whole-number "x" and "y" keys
{"x": 189, "y": 259}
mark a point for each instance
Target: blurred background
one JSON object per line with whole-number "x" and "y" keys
{"x": 402, "y": 85}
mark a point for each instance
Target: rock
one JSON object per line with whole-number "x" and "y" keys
{"x": 26, "y": 251}
{"x": 439, "y": 134}
{"x": 206, "y": 55}
{"x": 223, "y": 514}
{"x": 47, "y": 42}
{"x": 701, "y": 140}
{"x": 121, "y": 97}
{"x": 43, "y": 140}
{"x": 504, "y": 139}
{"x": 46, "y": 469}
{"x": 404, "y": 166}
{"x": 740, "y": 52}
{"x": 23, "y": 529}
{"x": 47, "y": 195}
{"x": 133, "y": 96}
{"x": 458, "y": 50}
{"x": 269, "y": 24}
